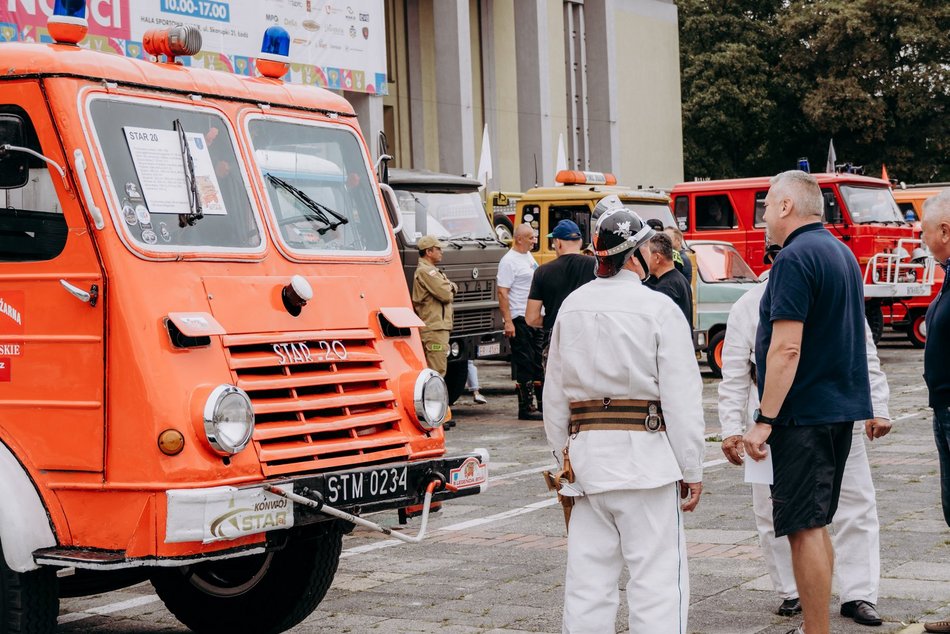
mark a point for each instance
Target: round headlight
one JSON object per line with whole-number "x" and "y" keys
{"x": 229, "y": 419}
{"x": 431, "y": 398}
{"x": 454, "y": 348}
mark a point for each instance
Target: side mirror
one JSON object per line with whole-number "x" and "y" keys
{"x": 14, "y": 163}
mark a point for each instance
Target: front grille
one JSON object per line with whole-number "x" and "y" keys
{"x": 473, "y": 321}
{"x": 475, "y": 291}
{"x": 334, "y": 410}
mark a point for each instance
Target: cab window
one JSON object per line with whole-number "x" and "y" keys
{"x": 32, "y": 225}
{"x": 832, "y": 212}
{"x": 319, "y": 187}
{"x": 578, "y": 213}
{"x": 531, "y": 215}
{"x": 714, "y": 212}
{"x": 681, "y": 211}
{"x": 760, "y": 209}
{"x": 177, "y": 182}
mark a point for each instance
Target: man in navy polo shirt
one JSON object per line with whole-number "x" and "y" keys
{"x": 812, "y": 379}
{"x": 936, "y": 235}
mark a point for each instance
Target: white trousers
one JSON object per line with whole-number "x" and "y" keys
{"x": 855, "y": 533}
{"x": 644, "y": 530}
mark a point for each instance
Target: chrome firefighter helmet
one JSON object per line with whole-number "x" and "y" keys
{"x": 618, "y": 234}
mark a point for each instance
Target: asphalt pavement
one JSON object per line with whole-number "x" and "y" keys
{"x": 495, "y": 562}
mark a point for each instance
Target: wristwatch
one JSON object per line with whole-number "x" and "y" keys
{"x": 759, "y": 417}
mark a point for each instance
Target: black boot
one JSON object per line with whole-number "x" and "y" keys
{"x": 526, "y": 410}
{"x": 539, "y": 396}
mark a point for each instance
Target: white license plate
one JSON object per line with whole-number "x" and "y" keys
{"x": 489, "y": 349}
{"x": 358, "y": 487}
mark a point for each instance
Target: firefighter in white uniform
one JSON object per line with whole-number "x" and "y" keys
{"x": 624, "y": 394}
{"x": 857, "y": 533}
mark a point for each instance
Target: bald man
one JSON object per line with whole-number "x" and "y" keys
{"x": 515, "y": 272}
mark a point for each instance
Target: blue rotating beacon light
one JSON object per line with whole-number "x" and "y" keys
{"x": 68, "y": 23}
{"x": 274, "y": 59}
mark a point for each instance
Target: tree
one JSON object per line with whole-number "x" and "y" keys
{"x": 875, "y": 76}
{"x": 728, "y": 108}
{"x": 767, "y": 82}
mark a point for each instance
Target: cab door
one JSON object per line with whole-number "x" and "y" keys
{"x": 51, "y": 341}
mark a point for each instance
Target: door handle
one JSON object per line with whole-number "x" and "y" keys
{"x": 90, "y": 297}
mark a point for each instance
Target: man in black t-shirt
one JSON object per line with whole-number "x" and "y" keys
{"x": 555, "y": 280}
{"x": 666, "y": 278}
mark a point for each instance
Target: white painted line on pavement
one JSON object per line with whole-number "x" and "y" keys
{"x": 515, "y": 474}
{"x": 714, "y": 463}
{"x": 530, "y": 508}
{"x": 109, "y": 608}
{"x": 911, "y": 415}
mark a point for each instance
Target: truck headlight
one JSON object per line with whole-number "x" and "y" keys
{"x": 228, "y": 419}
{"x": 431, "y": 399}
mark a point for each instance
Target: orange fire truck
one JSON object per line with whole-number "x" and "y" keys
{"x": 209, "y": 367}
{"x": 859, "y": 210}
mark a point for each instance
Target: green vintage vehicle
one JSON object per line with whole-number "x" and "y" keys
{"x": 723, "y": 278}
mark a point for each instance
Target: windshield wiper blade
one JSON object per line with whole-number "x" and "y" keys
{"x": 319, "y": 211}
{"x": 191, "y": 182}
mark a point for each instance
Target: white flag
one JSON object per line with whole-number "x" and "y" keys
{"x": 832, "y": 157}
{"x": 484, "y": 161}
{"x": 561, "y": 162}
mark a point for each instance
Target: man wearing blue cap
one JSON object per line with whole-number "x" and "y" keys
{"x": 555, "y": 280}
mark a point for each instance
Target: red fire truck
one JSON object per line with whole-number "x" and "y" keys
{"x": 859, "y": 210}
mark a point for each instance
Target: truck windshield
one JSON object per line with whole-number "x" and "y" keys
{"x": 648, "y": 211}
{"x": 721, "y": 263}
{"x": 177, "y": 182}
{"x": 450, "y": 216}
{"x": 871, "y": 204}
{"x": 319, "y": 187}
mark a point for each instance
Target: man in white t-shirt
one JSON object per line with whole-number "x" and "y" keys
{"x": 515, "y": 272}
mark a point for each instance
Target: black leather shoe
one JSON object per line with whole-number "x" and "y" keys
{"x": 863, "y": 612}
{"x": 790, "y": 607}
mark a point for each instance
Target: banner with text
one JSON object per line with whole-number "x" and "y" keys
{"x": 338, "y": 44}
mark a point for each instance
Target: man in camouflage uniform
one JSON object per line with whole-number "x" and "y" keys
{"x": 432, "y": 295}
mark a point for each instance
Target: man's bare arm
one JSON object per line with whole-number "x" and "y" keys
{"x": 532, "y": 314}
{"x": 505, "y": 309}
{"x": 781, "y": 365}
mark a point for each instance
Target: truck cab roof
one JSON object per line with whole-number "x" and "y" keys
{"x": 62, "y": 60}
{"x": 426, "y": 180}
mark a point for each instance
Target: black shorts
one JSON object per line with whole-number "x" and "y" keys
{"x": 807, "y": 462}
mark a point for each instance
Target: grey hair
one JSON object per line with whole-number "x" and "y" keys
{"x": 938, "y": 206}
{"x": 803, "y": 188}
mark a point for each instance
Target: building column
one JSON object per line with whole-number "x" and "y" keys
{"x": 602, "y": 108}
{"x": 534, "y": 93}
{"x": 416, "y": 98}
{"x": 453, "y": 71}
{"x": 369, "y": 112}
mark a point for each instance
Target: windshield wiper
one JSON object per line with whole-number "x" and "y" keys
{"x": 191, "y": 182}
{"x": 320, "y": 212}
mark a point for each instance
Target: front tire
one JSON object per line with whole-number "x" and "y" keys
{"x": 504, "y": 231}
{"x": 29, "y": 602}
{"x": 265, "y": 593}
{"x": 714, "y": 353}
{"x": 917, "y": 329}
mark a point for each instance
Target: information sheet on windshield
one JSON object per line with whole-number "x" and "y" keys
{"x": 159, "y": 164}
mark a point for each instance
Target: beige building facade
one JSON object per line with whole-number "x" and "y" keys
{"x": 603, "y": 75}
